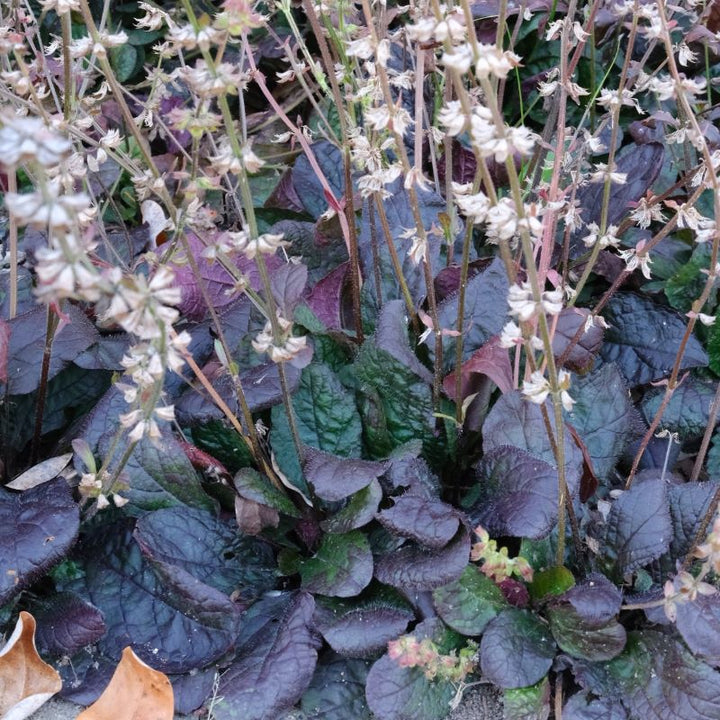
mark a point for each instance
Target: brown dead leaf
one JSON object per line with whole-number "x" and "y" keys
{"x": 26, "y": 681}
{"x": 135, "y": 692}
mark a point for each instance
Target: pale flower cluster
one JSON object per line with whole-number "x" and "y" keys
{"x": 284, "y": 348}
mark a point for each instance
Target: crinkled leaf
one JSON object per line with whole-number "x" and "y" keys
{"x": 516, "y": 649}
{"x": 165, "y": 614}
{"x": 66, "y": 623}
{"x": 395, "y": 405}
{"x": 342, "y": 566}
{"x": 581, "y": 707}
{"x": 688, "y": 411}
{"x": 223, "y": 443}
{"x": 37, "y": 529}
{"x": 413, "y": 567}
{"x": 644, "y": 338}
{"x": 335, "y": 478}
{"x": 251, "y": 485}
{"x": 688, "y": 503}
{"x": 655, "y": 677}
{"x": 326, "y": 417}
{"x": 401, "y": 693}
{"x": 596, "y": 600}
{"x": 638, "y": 527}
{"x": 337, "y": 691}
{"x": 698, "y": 622}
{"x": 391, "y": 336}
{"x": 602, "y": 416}
{"x": 687, "y": 284}
{"x": 528, "y": 703}
{"x": 160, "y": 475}
{"x": 517, "y": 422}
{"x": 365, "y": 631}
{"x": 426, "y": 520}
{"x": 359, "y": 510}
{"x": 580, "y": 638}
{"x": 135, "y": 690}
{"x": 485, "y": 312}
{"x": 274, "y": 668}
{"x": 469, "y": 603}
{"x": 208, "y": 548}
{"x": 305, "y": 182}
{"x": 518, "y": 494}
{"x": 27, "y": 682}
{"x": 27, "y": 346}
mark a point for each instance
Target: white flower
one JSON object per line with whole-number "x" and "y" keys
{"x": 511, "y": 335}
{"x": 537, "y": 388}
{"x": 460, "y": 59}
{"x": 28, "y": 138}
{"x": 521, "y": 302}
{"x": 552, "y": 301}
{"x": 61, "y": 7}
{"x": 453, "y": 118}
{"x": 494, "y": 61}
{"x": 47, "y": 209}
{"x": 474, "y": 207}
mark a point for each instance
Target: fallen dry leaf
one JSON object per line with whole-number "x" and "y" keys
{"x": 135, "y": 692}
{"x": 26, "y": 681}
{"x": 42, "y": 472}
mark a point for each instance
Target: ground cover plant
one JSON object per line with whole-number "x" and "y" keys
{"x": 355, "y": 353}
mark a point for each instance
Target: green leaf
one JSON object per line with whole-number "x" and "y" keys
{"x": 687, "y": 284}
{"x": 123, "y": 60}
{"x": 396, "y": 404}
{"x": 251, "y": 485}
{"x": 223, "y": 443}
{"x": 326, "y": 418}
{"x": 360, "y": 510}
{"x": 528, "y": 703}
{"x": 342, "y": 566}
{"x": 552, "y": 581}
{"x": 470, "y": 603}
{"x": 581, "y": 639}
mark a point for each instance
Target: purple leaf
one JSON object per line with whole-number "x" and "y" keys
{"x": 517, "y": 422}
{"x": 335, "y": 478}
{"x": 66, "y": 624}
{"x": 581, "y": 357}
{"x": 516, "y": 649}
{"x": 364, "y": 631}
{"x": 644, "y": 339}
{"x": 490, "y": 360}
{"x": 403, "y": 693}
{"x": 596, "y": 600}
{"x": 172, "y": 621}
{"x": 26, "y": 346}
{"x": 519, "y": 494}
{"x": 37, "y": 529}
{"x": 413, "y": 567}
{"x": 287, "y": 283}
{"x": 426, "y": 520}
{"x": 698, "y": 621}
{"x": 325, "y": 300}
{"x": 639, "y": 528}
{"x": 274, "y": 668}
